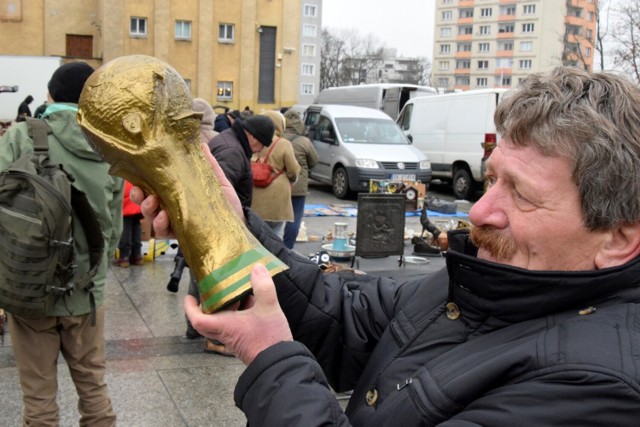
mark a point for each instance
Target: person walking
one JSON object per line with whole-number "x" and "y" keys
{"x": 307, "y": 158}
{"x": 23, "y": 109}
{"x": 273, "y": 203}
{"x": 130, "y": 245}
{"x": 67, "y": 327}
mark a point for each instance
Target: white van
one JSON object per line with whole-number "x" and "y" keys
{"x": 451, "y": 129}
{"x": 356, "y": 144}
{"x": 387, "y": 97}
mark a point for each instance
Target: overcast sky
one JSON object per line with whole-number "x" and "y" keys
{"x": 406, "y": 25}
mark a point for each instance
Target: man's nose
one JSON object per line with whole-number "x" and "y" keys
{"x": 490, "y": 209}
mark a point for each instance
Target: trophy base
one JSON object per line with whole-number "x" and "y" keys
{"x": 232, "y": 281}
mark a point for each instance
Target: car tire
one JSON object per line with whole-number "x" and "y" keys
{"x": 340, "y": 183}
{"x": 463, "y": 184}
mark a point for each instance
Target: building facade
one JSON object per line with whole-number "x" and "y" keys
{"x": 310, "y": 43}
{"x": 497, "y": 43}
{"x": 233, "y": 53}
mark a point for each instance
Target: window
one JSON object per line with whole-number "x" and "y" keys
{"x": 464, "y": 47}
{"x": 462, "y": 65}
{"x": 466, "y": 13}
{"x": 183, "y": 30}
{"x": 527, "y": 28}
{"x": 506, "y": 81}
{"x": 462, "y": 81}
{"x": 445, "y": 48}
{"x": 447, "y": 1}
{"x": 447, "y": 15}
{"x": 587, "y": 51}
{"x": 226, "y": 33}
{"x": 443, "y": 65}
{"x": 590, "y": 16}
{"x": 486, "y": 12}
{"x": 574, "y": 29}
{"x": 526, "y": 46}
{"x": 443, "y": 81}
{"x": 310, "y": 10}
{"x": 138, "y": 27}
{"x": 485, "y": 29}
{"x": 307, "y": 89}
{"x": 225, "y": 91}
{"x": 507, "y": 10}
{"x": 309, "y": 30}
{"x": 589, "y": 34}
{"x": 504, "y": 62}
{"x": 483, "y": 65}
{"x": 483, "y": 47}
{"x": 506, "y": 28}
{"x": 481, "y": 82}
{"x": 445, "y": 32}
{"x": 529, "y": 9}
{"x": 308, "y": 70}
{"x": 466, "y": 29}
{"x": 308, "y": 50}
{"x": 525, "y": 64}
{"x": 505, "y": 46}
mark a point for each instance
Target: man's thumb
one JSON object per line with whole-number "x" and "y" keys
{"x": 264, "y": 289}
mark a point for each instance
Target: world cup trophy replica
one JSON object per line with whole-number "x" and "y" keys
{"x": 136, "y": 112}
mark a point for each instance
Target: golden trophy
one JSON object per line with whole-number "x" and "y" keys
{"x": 136, "y": 112}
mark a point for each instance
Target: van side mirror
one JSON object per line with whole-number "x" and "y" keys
{"x": 327, "y": 137}
{"x": 410, "y": 138}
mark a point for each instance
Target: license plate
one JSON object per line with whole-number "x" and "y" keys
{"x": 403, "y": 177}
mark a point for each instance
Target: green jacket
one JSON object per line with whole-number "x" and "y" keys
{"x": 68, "y": 146}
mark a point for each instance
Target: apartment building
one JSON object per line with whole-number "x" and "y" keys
{"x": 310, "y": 43}
{"x": 233, "y": 53}
{"x": 497, "y": 43}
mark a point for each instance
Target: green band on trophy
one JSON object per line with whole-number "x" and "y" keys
{"x": 233, "y": 280}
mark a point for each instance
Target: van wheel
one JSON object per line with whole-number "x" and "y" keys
{"x": 340, "y": 183}
{"x": 463, "y": 184}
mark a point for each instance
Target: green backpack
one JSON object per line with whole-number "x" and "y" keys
{"x": 37, "y": 262}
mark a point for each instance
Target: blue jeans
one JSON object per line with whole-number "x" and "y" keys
{"x": 292, "y": 228}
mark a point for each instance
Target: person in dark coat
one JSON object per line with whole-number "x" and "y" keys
{"x": 535, "y": 320}
{"x": 23, "y": 109}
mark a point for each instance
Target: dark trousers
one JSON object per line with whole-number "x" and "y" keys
{"x": 130, "y": 245}
{"x": 292, "y": 228}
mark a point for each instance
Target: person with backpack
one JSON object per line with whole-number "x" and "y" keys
{"x": 72, "y": 322}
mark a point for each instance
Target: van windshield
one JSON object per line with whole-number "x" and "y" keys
{"x": 370, "y": 131}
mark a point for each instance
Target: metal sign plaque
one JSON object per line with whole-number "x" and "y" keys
{"x": 380, "y": 224}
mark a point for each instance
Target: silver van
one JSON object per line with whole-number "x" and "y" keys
{"x": 356, "y": 144}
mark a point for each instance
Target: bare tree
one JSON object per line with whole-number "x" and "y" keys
{"x": 331, "y": 56}
{"x": 602, "y": 29}
{"x": 627, "y": 36}
{"x": 424, "y": 71}
{"x": 347, "y": 58}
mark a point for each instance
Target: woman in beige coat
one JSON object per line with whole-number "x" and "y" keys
{"x": 273, "y": 203}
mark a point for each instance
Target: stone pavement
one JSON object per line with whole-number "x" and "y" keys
{"x": 156, "y": 376}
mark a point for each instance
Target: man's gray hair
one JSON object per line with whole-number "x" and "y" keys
{"x": 593, "y": 119}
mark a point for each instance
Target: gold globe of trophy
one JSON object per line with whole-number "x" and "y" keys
{"x": 137, "y": 113}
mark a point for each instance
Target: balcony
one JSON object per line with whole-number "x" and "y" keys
{"x": 506, "y": 18}
{"x": 503, "y": 71}
{"x": 465, "y": 21}
{"x": 574, "y": 20}
{"x": 464, "y": 37}
{"x": 504, "y": 53}
{"x": 505, "y": 35}
{"x": 462, "y": 71}
{"x": 463, "y": 55}
{"x": 466, "y": 3}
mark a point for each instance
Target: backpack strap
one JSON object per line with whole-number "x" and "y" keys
{"x": 39, "y": 131}
{"x": 273, "y": 144}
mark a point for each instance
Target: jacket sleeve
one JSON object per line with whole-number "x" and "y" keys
{"x": 338, "y": 316}
{"x": 265, "y": 391}
{"x": 291, "y": 165}
{"x": 312, "y": 154}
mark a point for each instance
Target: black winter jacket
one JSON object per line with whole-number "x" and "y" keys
{"x": 475, "y": 344}
{"x": 229, "y": 151}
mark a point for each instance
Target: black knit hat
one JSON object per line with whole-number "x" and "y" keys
{"x": 67, "y": 81}
{"x": 261, "y": 127}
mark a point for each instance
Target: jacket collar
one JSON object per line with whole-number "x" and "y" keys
{"x": 514, "y": 294}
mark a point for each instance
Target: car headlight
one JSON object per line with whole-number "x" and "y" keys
{"x": 366, "y": 163}
{"x": 425, "y": 164}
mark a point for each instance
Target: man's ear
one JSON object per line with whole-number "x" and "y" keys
{"x": 621, "y": 246}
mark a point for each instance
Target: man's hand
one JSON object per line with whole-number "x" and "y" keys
{"x": 160, "y": 219}
{"x": 246, "y": 332}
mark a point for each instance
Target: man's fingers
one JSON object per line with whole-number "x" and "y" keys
{"x": 206, "y": 324}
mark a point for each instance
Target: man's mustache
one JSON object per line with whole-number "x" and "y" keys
{"x": 501, "y": 248}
